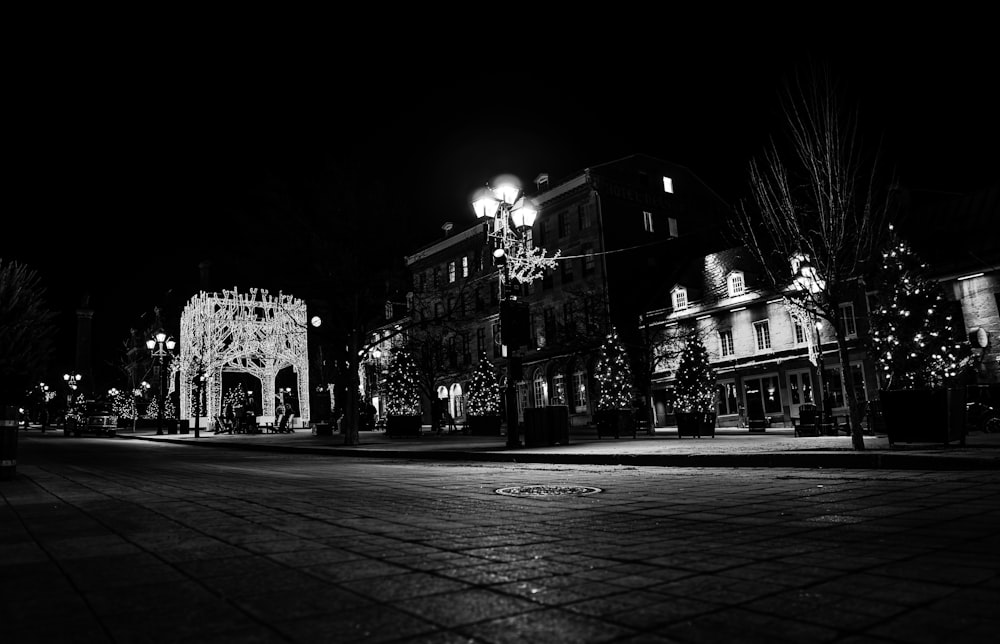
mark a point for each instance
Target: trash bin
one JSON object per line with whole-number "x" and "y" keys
{"x": 8, "y": 443}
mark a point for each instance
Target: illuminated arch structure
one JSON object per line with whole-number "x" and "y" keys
{"x": 252, "y": 332}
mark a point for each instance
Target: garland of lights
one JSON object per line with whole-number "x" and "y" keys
{"x": 402, "y": 394}
{"x": 614, "y": 376}
{"x": 694, "y": 386}
{"x": 912, "y": 332}
{"x": 484, "y": 390}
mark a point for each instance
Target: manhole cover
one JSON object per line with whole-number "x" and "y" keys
{"x": 533, "y": 491}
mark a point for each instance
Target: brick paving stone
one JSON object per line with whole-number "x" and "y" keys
{"x": 466, "y": 607}
{"x": 552, "y": 626}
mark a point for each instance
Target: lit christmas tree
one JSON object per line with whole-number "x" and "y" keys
{"x": 695, "y": 384}
{"x": 402, "y": 393}
{"x": 154, "y": 406}
{"x": 123, "y": 405}
{"x": 614, "y": 376}
{"x": 484, "y": 390}
{"x": 912, "y": 331}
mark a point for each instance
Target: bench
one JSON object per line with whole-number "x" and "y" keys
{"x": 807, "y": 424}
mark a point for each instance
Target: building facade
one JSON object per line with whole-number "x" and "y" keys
{"x": 613, "y": 224}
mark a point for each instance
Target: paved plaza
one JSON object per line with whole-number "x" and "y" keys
{"x": 148, "y": 540}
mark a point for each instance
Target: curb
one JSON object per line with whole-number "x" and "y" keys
{"x": 806, "y": 460}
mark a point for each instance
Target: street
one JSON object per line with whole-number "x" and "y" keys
{"x": 114, "y": 540}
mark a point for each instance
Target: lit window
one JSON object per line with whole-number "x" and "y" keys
{"x": 647, "y": 221}
{"x": 541, "y": 387}
{"x": 451, "y": 272}
{"x": 580, "y": 390}
{"x": 465, "y": 266}
{"x": 736, "y": 286}
{"x": 668, "y": 185}
{"x": 558, "y": 389}
{"x": 726, "y": 342}
{"x": 847, "y": 317}
{"x": 762, "y": 331}
{"x": 680, "y": 298}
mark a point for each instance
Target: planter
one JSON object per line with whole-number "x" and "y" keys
{"x": 483, "y": 425}
{"x": 614, "y": 422}
{"x": 403, "y": 426}
{"x": 547, "y": 425}
{"x": 924, "y": 415}
{"x": 695, "y": 423}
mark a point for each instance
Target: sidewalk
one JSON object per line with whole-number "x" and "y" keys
{"x": 732, "y": 447}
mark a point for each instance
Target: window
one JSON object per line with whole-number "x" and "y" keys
{"x": 481, "y": 340}
{"x": 558, "y": 389}
{"x": 847, "y": 318}
{"x": 588, "y": 259}
{"x": 726, "y": 342}
{"x": 496, "y": 340}
{"x": 668, "y": 185}
{"x": 672, "y": 226}
{"x": 580, "y": 390}
{"x": 762, "y": 331}
{"x": 388, "y": 310}
{"x": 569, "y": 317}
{"x": 541, "y": 390}
{"x": 647, "y": 221}
{"x": 800, "y": 332}
{"x": 871, "y": 299}
{"x": 522, "y": 398}
{"x": 763, "y": 394}
{"x": 563, "y": 223}
{"x": 465, "y": 266}
{"x": 583, "y": 216}
{"x": 727, "y": 398}
{"x": 437, "y": 277}
{"x": 566, "y": 267}
{"x": 451, "y": 272}
{"x": 680, "y": 298}
{"x": 736, "y": 287}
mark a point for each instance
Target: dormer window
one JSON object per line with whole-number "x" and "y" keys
{"x": 680, "y": 298}
{"x": 736, "y": 284}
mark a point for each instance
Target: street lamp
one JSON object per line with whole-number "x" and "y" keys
{"x": 512, "y": 218}
{"x": 44, "y": 390}
{"x": 72, "y": 381}
{"x": 808, "y": 280}
{"x": 160, "y": 346}
{"x": 199, "y": 386}
{"x": 138, "y": 394}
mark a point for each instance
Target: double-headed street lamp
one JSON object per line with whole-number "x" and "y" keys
{"x": 160, "y": 347}
{"x": 512, "y": 218}
{"x": 72, "y": 381}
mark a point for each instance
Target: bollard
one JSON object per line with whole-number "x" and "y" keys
{"x": 8, "y": 442}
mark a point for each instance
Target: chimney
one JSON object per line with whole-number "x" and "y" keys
{"x": 542, "y": 182}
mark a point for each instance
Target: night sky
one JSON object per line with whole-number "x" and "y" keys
{"x": 118, "y": 155}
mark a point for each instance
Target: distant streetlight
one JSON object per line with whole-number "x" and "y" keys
{"x": 512, "y": 218}
{"x": 160, "y": 347}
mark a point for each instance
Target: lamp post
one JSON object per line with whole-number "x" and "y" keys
{"x": 160, "y": 347}
{"x": 512, "y": 218}
{"x": 808, "y": 281}
{"x": 199, "y": 386}
{"x": 137, "y": 394}
{"x": 72, "y": 381}
{"x": 44, "y": 390}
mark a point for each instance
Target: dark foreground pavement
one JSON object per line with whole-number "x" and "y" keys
{"x": 112, "y": 540}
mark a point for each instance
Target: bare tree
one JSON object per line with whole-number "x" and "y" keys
{"x": 26, "y": 330}
{"x": 815, "y": 199}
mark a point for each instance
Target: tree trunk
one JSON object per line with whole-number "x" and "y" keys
{"x": 854, "y": 410}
